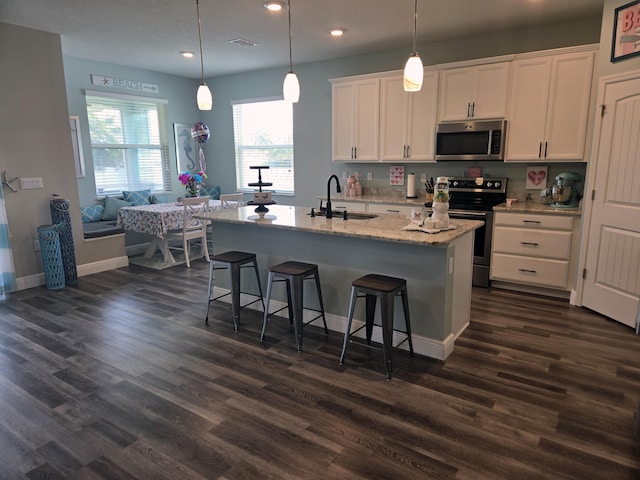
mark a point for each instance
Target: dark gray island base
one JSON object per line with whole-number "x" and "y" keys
{"x": 437, "y": 267}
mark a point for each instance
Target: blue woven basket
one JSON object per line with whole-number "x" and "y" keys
{"x": 60, "y": 216}
{"x": 51, "y": 256}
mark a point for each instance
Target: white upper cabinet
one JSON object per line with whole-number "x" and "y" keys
{"x": 356, "y": 119}
{"x": 549, "y": 107}
{"x": 476, "y": 92}
{"x": 408, "y": 120}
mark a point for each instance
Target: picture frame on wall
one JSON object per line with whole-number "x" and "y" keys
{"x": 626, "y": 32}
{"x": 76, "y": 143}
{"x": 536, "y": 177}
{"x": 185, "y": 151}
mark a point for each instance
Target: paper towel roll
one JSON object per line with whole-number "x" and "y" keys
{"x": 411, "y": 185}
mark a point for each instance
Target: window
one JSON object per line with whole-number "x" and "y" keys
{"x": 128, "y": 143}
{"x": 263, "y": 135}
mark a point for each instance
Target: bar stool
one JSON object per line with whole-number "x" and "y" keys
{"x": 294, "y": 273}
{"x": 234, "y": 261}
{"x": 385, "y": 288}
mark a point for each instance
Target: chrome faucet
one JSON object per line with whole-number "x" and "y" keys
{"x": 329, "y": 214}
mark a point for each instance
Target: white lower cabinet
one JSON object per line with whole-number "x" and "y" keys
{"x": 348, "y": 206}
{"x": 390, "y": 209}
{"x": 534, "y": 249}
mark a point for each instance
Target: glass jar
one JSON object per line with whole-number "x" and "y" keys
{"x": 441, "y": 190}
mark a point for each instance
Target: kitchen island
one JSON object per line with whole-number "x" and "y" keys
{"x": 437, "y": 267}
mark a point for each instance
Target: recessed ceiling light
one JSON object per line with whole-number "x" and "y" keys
{"x": 274, "y": 6}
{"x": 337, "y": 32}
{"x": 186, "y": 54}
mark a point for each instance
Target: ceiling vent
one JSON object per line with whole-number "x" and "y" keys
{"x": 241, "y": 42}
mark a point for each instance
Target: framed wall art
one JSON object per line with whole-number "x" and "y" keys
{"x": 536, "y": 178}
{"x": 626, "y": 32}
{"x": 185, "y": 152}
{"x": 76, "y": 142}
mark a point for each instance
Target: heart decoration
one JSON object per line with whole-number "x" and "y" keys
{"x": 537, "y": 178}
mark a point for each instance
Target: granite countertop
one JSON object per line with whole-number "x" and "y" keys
{"x": 378, "y": 198}
{"x": 516, "y": 207}
{"x": 532, "y": 207}
{"x": 383, "y": 227}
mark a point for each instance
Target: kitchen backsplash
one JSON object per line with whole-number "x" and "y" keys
{"x": 516, "y": 173}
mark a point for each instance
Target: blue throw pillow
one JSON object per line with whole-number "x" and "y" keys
{"x": 140, "y": 197}
{"x": 212, "y": 191}
{"x": 91, "y": 213}
{"x": 111, "y": 207}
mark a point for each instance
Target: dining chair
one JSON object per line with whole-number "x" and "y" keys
{"x": 192, "y": 228}
{"x": 226, "y": 200}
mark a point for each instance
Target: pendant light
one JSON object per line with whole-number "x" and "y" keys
{"x": 291, "y": 86}
{"x": 413, "y": 70}
{"x": 203, "y": 97}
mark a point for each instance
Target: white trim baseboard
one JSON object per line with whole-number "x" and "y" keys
{"x": 428, "y": 347}
{"x": 37, "y": 280}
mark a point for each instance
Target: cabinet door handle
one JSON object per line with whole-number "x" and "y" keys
{"x": 524, "y": 270}
{"x": 540, "y": 150}
{"x": 468, "y": 109}
{"x": 355, "y": 152}
{"x": 533, "y": 244}
{"x": 393, "y": 211}
{"x": 531, "y": 221}
{"x": 408, "y": 150}
{"x": 546, "y": 144}
{"x": 473, "y": 109}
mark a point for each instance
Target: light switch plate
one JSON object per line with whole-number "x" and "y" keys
{"x": 34, "y": 182}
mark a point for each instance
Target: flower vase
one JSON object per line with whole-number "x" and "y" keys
{"x": 193, "y": 190}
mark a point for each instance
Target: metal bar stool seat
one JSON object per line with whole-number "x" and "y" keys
{"x": 294, "y": 274}
{"x": 385, "y": 288}
{"x": 233, "y": 261}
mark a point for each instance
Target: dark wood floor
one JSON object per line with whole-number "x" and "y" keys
{"x": 118, "y": 378}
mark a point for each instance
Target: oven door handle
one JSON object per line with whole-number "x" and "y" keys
{"x": 469, "y": 214}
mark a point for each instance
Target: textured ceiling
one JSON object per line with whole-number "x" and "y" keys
{"x": 150, "y": 33}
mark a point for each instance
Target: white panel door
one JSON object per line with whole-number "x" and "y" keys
{"x": 612, "y": 283}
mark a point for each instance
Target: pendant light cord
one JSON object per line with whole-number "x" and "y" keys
{"x": 290, "y": 56}
{"x": 415, "y": 21}
{"x": 200, "y": 38}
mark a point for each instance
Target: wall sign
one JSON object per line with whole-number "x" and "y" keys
{"x": 626, "y": 32}
{"x": 124, "y": 84}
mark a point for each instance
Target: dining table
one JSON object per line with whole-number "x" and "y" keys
{"x": 156, "y": 220}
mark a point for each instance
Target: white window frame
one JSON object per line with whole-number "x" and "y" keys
{"x": 134, "y": 180}
{"x": 281, "y": 176}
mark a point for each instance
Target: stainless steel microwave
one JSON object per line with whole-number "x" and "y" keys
{"x": 472, "y": 140}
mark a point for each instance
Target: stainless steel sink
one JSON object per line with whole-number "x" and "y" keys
{"x": 360, "y": 216}
{"x": 337, "y": 214}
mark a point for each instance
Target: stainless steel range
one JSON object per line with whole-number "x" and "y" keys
{"x": 474, "y": 199}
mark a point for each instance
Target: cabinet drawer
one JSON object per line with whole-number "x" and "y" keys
{"x": 392, "y": 209}
{"x": 532, "y": 242}
{"x": 533, "y": 271}
{"x": 528, "y": 220}
{"x": 348, "y": 206}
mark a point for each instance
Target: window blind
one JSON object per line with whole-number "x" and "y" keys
{"x": 263, "y": 135}
{"x": 128, "y": 143}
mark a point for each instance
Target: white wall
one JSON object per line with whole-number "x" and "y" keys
{"x": 35, "y": 141}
